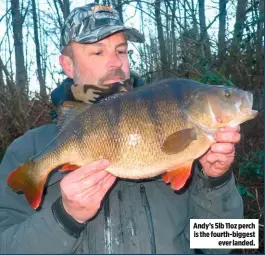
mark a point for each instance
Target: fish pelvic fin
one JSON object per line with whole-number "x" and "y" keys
{"x": 179, "y": 176}
{"x": 19, "y": 180}
{"x": 179, "y": 141}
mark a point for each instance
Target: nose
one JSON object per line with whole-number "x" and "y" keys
{"x": 114, "y": 61}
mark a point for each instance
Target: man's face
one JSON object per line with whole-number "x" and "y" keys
{"x": 99, "y": 63}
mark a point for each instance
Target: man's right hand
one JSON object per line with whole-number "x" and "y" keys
{"x": 83, "y": 190}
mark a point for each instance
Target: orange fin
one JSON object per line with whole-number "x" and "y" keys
{"x": 179, "y": 176}
{"x": 19, "y": 180}
{"x": 68, "y": 167}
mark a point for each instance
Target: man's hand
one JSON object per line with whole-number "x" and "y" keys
{"x": 83, "y": 190}
{"x": 221, "y": 155}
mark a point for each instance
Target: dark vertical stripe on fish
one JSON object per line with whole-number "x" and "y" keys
{"x": 113, "y": 115}
{"x": 153, "y": 114}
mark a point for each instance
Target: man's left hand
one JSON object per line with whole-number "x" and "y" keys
{"x": 221, "y": 155}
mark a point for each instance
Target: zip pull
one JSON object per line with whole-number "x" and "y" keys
{"x": 143, "y": 194}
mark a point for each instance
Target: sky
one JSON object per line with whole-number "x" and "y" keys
{"x": 131, "y": 18}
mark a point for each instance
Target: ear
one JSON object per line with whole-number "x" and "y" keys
{"x": 67, "y": 65}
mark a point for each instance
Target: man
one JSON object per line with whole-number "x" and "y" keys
{"x": 89, "y": 210}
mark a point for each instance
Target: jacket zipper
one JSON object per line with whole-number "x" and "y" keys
{"x": 107, "y": 226}
{"x": 148, "y": 214}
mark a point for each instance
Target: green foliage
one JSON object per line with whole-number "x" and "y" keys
{"x": 214, "y": 78}
{"x": 208, "y": 76}
{"x": 243, "y": 191}
{"x": 251, "y": 168}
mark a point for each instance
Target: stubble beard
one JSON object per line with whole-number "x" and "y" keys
{"x": 100, "y": 82}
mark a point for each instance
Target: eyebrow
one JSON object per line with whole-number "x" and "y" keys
{"x": 122, "y": 44}
{"x": 102, "y": 44}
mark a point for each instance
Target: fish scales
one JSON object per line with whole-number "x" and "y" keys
{"x": 138, "y": 138}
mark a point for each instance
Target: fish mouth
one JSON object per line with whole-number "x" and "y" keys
{"x": 243, "y": 116}
{"x": 248, "y": 114}
{"x": 244, "y": 106}
{"x": 251, "y": 113}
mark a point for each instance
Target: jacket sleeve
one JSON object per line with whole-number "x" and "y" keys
{"x": 222, "y": 202}
{"x": 22, "y": 229}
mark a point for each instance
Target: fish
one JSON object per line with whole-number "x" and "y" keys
{"x": 157, "y": 129}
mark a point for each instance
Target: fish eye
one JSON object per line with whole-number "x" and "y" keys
{"x": 227, "y": 93}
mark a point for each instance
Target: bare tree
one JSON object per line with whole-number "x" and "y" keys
{"x": 222, "y": 31}
{"x": 65, "y": 7}
{"x": 2, "y": 83}
{"x": 163, "y": 52}
{"x": 260, "y": 36}
{"x": 17, "y": 21}
{"x": 117, "y": 4}
{"x": 61, "y": 7}
{"x": 239, "y": 26}
{"x": 204, "y": 37}
{"x": 4, "y": 71}
{"x": 194, "y": 19}
{"x": 43, "y": 92}
{"x": 173, "y": 37}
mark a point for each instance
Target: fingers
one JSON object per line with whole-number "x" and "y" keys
{"x": 223, "y": 148}
{"x": 90, "y": 181}
{"x": 227, "y": 136}
{"x": 222, "y": 153}
{"x": 220, "y": 157}
{"x": 228, "y": 129}
{"x": 87, "y": 170}
{"x": 96, "y": 193}
{"x": 107, "y": 185}
{"x": 83, "y": 178}
{"x": 83, "y": 190}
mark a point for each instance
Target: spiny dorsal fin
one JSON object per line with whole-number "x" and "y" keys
{"x": 179, "y": 141}
{"x": 68, "y": 110}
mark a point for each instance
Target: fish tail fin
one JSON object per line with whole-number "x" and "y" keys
{"x": 179, "y": 176}
{"x": 20, "y": 180}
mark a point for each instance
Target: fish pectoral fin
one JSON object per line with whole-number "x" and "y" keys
{"x": 179, "y": 176}
{"x": 18, "y": 180}
{"x": 179, "y": 140}
{"x": 68, "y": 167}
{"x": 67, "y": 111}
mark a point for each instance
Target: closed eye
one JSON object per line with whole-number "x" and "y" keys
{"x": 122, "y": 51}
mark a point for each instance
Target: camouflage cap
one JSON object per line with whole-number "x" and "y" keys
{"x": 92, "y": 22}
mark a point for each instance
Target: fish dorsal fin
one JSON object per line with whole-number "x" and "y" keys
{"x": 112, "y": 96}
{"x": 68, "y": 110}
{"x": 179, "y": 141}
